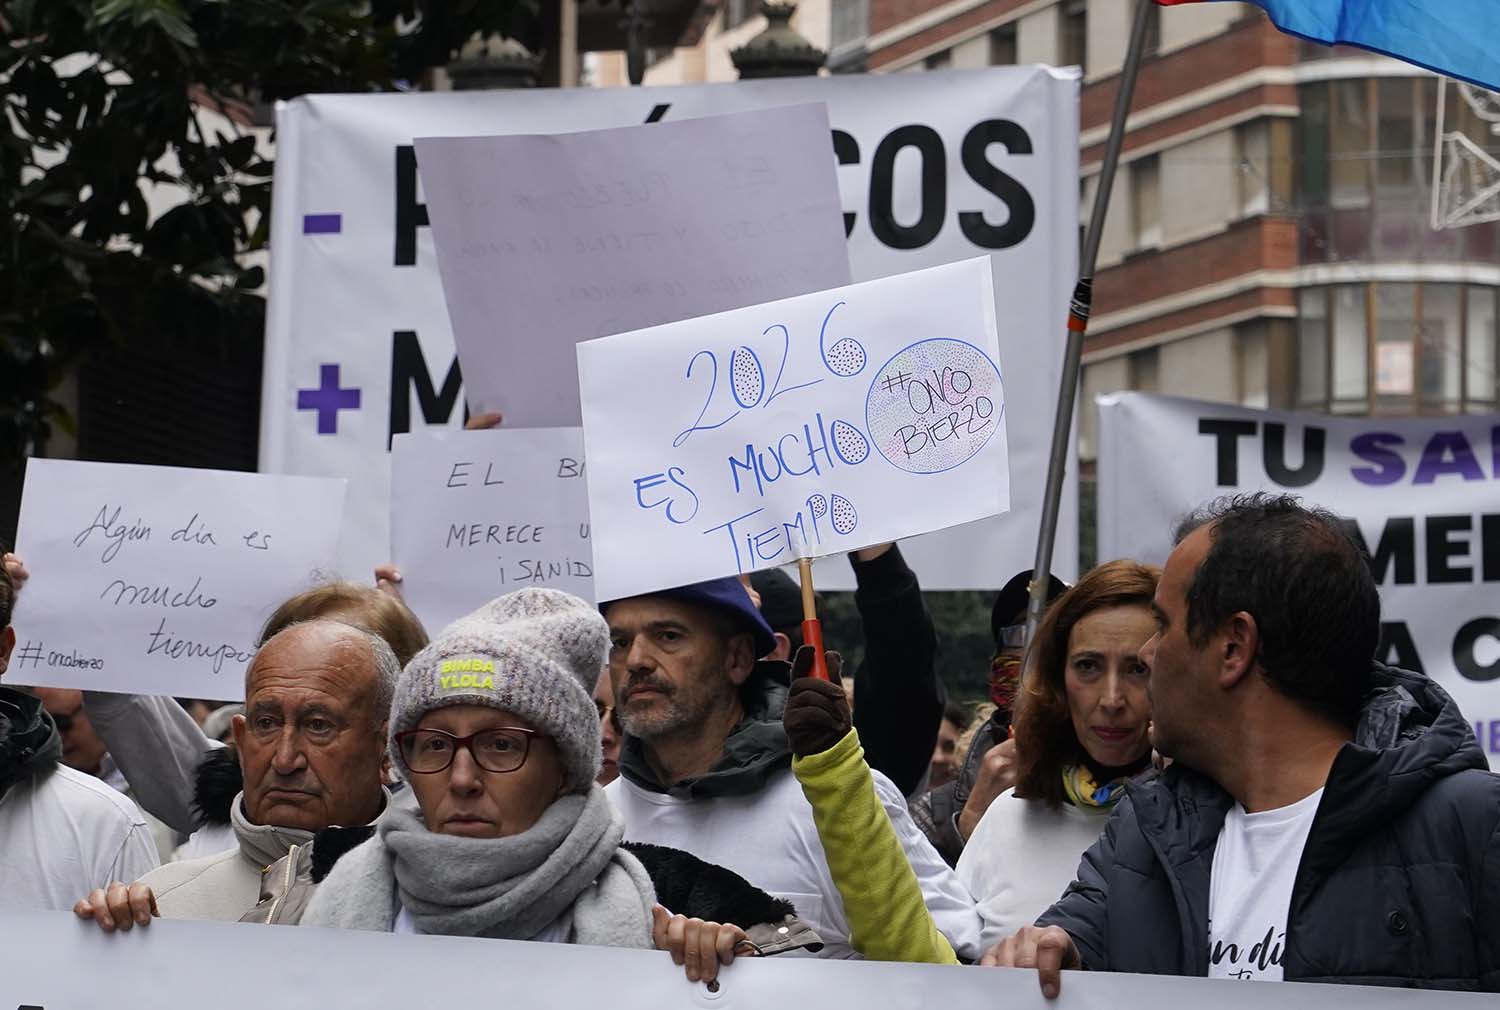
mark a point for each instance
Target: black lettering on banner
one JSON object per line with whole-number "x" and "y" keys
{"x": 934, "y": 188}
{"x": 846, "y": 149}
{"x": 1397, "y": 547}
{"x": 410, "y": 214}
{"x": 409, "y": 372}
{"x": 1442, "y": 549}
{"x": 1014, "y": 195}
{"x": 1397, "y": 648}
{"x": 1489, "y": 540}
{"x": 657, "y": 112}
{"x": 1273, "y": 454}
{"x": 1463, "y": 649}
{"x": 1226, "y": 449}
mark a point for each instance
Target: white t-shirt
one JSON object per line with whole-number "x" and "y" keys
{"x": 1022, "y": 857}
{"x": 1250, "y": 891}
{"x": 769, "y": 838}
{"x": 65, "y": 834}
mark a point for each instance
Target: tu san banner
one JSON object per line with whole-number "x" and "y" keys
{"x": 1425, "y": 493}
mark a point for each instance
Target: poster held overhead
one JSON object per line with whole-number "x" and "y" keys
{"x": 810, "y": 426}
{"x": 156, "y": 579}
{"x": 475, "y": 514}
{"x": 547, "y": 240}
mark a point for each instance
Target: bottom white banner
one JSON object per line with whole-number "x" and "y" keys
{"x": 53, "y": 961}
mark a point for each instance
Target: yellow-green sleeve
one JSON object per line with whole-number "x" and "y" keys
{"x": 888, "y": 920}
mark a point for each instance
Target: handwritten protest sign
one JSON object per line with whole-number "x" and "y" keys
{"x": 809, "y": 426}
{"x": 546, "y": 240}
{"x": 478, "y": 513}
{"x": 156, "y": 580}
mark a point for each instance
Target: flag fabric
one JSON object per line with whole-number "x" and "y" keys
{"x": 1459, "y": 38}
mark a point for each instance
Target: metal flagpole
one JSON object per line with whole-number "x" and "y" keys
{"x": 1078, "y": 321}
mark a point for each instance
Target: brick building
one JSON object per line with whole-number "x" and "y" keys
{"x": 1270, "y": 236}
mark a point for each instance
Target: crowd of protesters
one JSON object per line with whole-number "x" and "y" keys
{"x": 1200, "y": 770}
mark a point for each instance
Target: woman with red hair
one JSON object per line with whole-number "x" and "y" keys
{"x": 1081, "y": 732}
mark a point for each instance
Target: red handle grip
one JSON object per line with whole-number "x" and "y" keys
{"x": 812, "y": 634}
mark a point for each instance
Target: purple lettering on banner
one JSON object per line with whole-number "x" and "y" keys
{"x": 1495, "y": 736}
{"x": 328, "y": 399}
{"x": 1374, "y": 447}
{"x": 322, "y": 224}
{"x": 1447, "y": 452}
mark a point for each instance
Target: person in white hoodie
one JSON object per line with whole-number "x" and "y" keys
{"x": 706, "y": 765}
{"x": 61, "y": 831}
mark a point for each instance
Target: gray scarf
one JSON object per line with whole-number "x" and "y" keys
{"x": 264, "y": 844}
{"x": 569, "y": 864}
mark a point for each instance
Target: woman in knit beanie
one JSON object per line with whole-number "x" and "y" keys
{"x": 504, "y": 833}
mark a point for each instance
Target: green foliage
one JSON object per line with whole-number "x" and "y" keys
{"x": 104, "y": 99}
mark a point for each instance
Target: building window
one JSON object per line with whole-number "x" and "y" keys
{"x": 1396, "y": 166}
{"x": 1143, "y": 368}
{"x": 849, "y": 23}
{"x": 1145, "y": 201}
{"x": 1481, "y": 342}
{"x": 1397, "y": 348}
{"x": 1349, "y": 143}
{"x": 1075, "y": 34}
{"x": 737, "y": 12}
{"x": 1252, "y": 159}
{"x": 1312, "y": 348}
{"x": 1151, "y": 44}
{"x": 1003, "y": 46}
{"x": 1351, "y": 352}
{"x": 938, "y": 60}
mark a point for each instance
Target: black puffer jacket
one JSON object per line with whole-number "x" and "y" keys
{"x": 1399, "y": 883}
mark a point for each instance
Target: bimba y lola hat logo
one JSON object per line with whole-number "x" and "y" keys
{"x": 461, "y": 674}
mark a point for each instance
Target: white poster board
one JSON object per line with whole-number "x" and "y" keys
{"x": 475, "y": 514}
{"x": 547, "y": 240}
{"x": 806, "y": 427}
{"x": 1423, "y": 491}
{"x": 55, "y": 962}
{"x": 932, "y": 168}
{"x": 156, "y": 580}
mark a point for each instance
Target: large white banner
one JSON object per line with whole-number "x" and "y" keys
{"x": 55, "y": 962}
{"x": 933, "y": 168}
{"x": 802, "y": 428}
{"x": 1424, "y": 491}
{"x": 156, "y": 579}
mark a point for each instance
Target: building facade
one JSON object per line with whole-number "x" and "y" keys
{"x": 1270, "y": 238}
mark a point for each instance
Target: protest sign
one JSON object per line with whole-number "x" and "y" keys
{"x": 156, "y": 580}
{"x": 56, "y": 962}
{"x": 543, "y": 241}
{"x": 475, "y": 514}
{"x": 1425, "y": 493}
{"x": 932, "y": 168}
{"x": 810, "y": 426}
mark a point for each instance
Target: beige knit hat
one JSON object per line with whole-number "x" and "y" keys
{"x": 535, "y": 653}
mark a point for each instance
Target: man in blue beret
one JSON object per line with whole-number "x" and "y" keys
{"x": 706, "y": 766}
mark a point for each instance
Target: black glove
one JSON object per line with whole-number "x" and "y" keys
{"x": 817, "y": 714}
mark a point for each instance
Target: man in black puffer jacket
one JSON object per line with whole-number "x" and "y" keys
{"x": 1328, "y": 819}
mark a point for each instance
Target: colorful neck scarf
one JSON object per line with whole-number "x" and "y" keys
{"x": 1085, "y": 793}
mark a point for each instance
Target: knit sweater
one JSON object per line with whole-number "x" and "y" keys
{"x": 888, "y": 920}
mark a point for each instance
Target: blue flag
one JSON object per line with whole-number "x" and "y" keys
{"x": 1460, "y": 38}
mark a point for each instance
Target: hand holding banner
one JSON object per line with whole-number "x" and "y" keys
{"x": 155, "y": 580}
{"x": 813, "y": 425}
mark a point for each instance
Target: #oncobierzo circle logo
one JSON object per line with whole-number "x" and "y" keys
{"x": 934, "y": 405}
